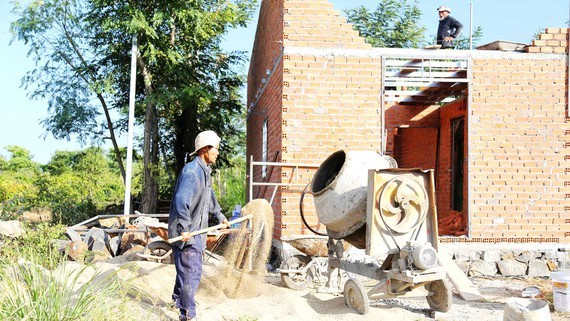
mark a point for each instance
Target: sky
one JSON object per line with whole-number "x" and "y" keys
{"x": 509, "y": 20}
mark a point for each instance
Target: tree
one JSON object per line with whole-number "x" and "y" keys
{"x": 185, "y": 84}
{"x": 78, "y": 185}
{"x": 17, "y": 177}
{"x": 67, "y": 73}
{"x": 394, "y": 24}
{"x": 188, "y": 83}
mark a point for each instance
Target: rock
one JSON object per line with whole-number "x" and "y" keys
{"x": 491, "y": 256}
{"x": 94, "y": 235}
{"x": 73, "y": 235}
{"x": 131, "y": 254}
{"x": 99, "y": 255}
{"x": 114, "y": 244}
{"x": 508, "y": 256}
{"x": 524, "y": 257}
{"x": 11, "y": 228}
{"x": 129, "y": 239}
{"x": 551, "y": 265}
{"x": 481, "y": 267}
{"x": 538, "y": 268}
{"x": 76, "y": 250}
{"x": 111, "y": 222}
{"x": 512, "y": 268}
{"x": 60, "y": 244}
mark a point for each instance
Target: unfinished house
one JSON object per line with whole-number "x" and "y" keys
{"x": 492, "y": 124}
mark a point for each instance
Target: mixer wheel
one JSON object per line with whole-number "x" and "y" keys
{"x": 440, "y": 295}
{"x": 296, "y": 280}
{"x": 355, "y": 296}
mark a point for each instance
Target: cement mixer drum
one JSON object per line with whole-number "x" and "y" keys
{"x": 340, "y": 188}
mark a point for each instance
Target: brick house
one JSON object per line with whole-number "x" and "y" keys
{"x": 494, "y": 125}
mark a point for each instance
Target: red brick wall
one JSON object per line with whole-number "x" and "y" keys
{"x": 417, "y": 147}
{"x": 518, "y": 161}
{"x": 324, "y": 96}
{"x": 264, "y": 93}
{"x": 448, "y": 113}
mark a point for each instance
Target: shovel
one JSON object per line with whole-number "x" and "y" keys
{"x": 211, "y": 228}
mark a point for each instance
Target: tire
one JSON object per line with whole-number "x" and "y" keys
{"x": 355, "y": 296}
{"x": 296, "y": 281}
{"x": 160, "y": 248}
{"x": 440, "y": 295}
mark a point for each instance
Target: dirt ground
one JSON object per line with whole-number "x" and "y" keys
{"x": 271, "y": 300}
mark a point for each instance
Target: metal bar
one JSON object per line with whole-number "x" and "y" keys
{"x": 131, "y": 121}
{"x": 427, "y": 80}
{"x": 283, "y": 164}
{"x": 131, "y": 215}
{"x": 114, "y": 230}
{"x": 273, "y": 195}
{"x": 383, "y": 137}
{"x": 433, "y": 63}
{"x": 276, "y": 184}
{"x": 85, "y": 222}
{"x": 251, "y": 163}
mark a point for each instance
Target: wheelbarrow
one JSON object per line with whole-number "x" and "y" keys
{"x": 302, "y": 270}
{"x": 161, "y": 250}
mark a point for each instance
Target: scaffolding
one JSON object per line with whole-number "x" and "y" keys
{"x": 295, "y": 182}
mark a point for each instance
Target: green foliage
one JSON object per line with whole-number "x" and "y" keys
{"x": 394, "y": 24}
{"x": 67, "y": 72}
{"x": 17, "y": 189}
{"x": 79, "y": 185}
{"x": 229, "y": 185}
{"x": 74, "y": 185}
{"x": 36, "y": 244}
{"x": 31, "y": 292}
{"x": 463, "y": 41}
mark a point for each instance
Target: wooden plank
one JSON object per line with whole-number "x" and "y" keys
{"x": 460, "y": 281}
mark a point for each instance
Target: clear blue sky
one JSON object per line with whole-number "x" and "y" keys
{"x": 511, "y": 20}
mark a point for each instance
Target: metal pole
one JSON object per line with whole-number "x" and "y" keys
{"x": 131, "y": 122}
{"x": 470, "y": 25}
{"x": 250, "y": 178}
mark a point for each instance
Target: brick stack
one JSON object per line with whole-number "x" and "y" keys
{"x": 552, "y": 40}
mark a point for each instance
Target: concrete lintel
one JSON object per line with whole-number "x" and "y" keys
{"x": 421, "y": 53}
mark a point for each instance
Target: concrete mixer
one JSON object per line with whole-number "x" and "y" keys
{"x": 364, "y": 199}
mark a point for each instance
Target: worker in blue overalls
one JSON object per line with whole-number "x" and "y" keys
{"x": 192, "y": 202}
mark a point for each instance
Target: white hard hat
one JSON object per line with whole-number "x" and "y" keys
{"x": 443, "y": 8}
{"x": 205, "y": 138}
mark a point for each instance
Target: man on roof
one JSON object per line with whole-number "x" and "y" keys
{"x": 449, "y": 28}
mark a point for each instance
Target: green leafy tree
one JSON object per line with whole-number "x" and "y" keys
{"x": 68, "y": 72}
{"x": 393, "y": 24}
{"x": 79, "y": 185}
{"x": 188, "y": 83}
{"x": 17, "y": 177}
{"x": 185, "y": 84}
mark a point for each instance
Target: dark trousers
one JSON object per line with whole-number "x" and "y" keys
{"x": 188, "y": 264}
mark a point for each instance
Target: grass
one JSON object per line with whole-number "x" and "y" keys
{"x": 38, "y": 283}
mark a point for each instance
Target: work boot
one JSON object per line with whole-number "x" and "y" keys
{"x": 183, "y": 315}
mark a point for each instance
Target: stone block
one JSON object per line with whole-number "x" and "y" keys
{"x": 482, "y": 268}
{"x": 538, "y": 268}
{"x": 491, "y": 256}
{"x": 73, "y": 235}
{"x": 524, "y": 257}
{"x": 512, "y": 268}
